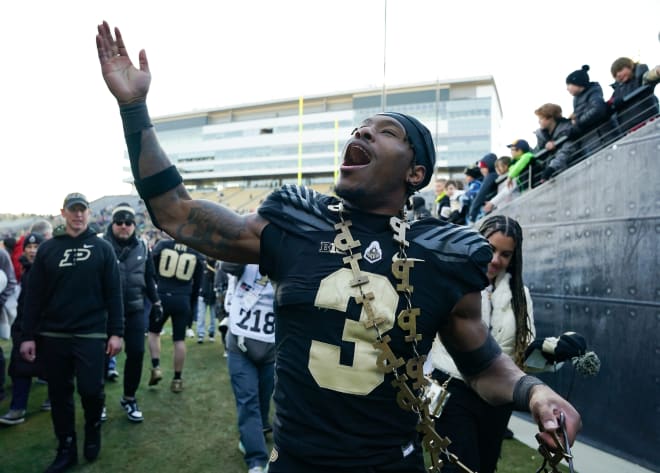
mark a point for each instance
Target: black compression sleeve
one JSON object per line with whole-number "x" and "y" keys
{"x": 135, "y": 118}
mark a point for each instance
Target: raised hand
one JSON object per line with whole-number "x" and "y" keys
{"x": 127, "y": 83}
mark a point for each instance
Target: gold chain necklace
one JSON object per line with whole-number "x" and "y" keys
{"x": 426, "y": 398}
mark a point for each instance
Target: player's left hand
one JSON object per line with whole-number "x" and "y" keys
{"x": 546, "y": 407}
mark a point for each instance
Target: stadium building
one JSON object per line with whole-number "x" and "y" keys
{"x": 300, "y": 140}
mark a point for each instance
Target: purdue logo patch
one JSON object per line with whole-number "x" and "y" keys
{"x": 373, "y": 253}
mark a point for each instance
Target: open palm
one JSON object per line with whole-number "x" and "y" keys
{"x": 127, "y": 83}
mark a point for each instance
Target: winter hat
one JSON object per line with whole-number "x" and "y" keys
{"x": 488, "y": 161}
{"x": 566, "y": 346}
{"x": 579, "y": 77}
{"x": 32, "y": 238}
{"x": 420, "y": 139}
{"x": 123, "y": 213}
{"x": 418, "y": 202}
{"x": 473, "y": 172}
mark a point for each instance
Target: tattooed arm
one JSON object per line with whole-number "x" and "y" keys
{"x": 210, "y": 228}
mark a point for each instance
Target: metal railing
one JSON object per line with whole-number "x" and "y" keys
{"x": 636, "y": 108}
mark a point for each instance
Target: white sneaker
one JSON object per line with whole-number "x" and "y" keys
{"x": 13, "y": 417}
{"x": 133, "y": 412}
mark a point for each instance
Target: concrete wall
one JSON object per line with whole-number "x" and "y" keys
{"x": 591, "y": 241}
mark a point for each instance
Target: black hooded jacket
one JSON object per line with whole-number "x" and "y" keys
{"x": 74, "y": 289}
{"x": 488, "y": 187}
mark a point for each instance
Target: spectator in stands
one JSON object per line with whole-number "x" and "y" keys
{"x": 454, "y": 194}
{"x": 488, "y": 186}
{"x": 521, "y": 156}
{"x": 441, "y": 197}
{"x": 552, "y": 127}
{"x": 419, "y": 209}
{"x": 20, "y": 371}
{"x": 629, "y": 76}
{"x": 504, "y": 192}
{"x": 472, "y": 187}
{"x": 590, "y": 119}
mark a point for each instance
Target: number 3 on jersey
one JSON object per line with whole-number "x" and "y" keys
{"x": 176, "y": 265}
{"x": 362, "y": 376}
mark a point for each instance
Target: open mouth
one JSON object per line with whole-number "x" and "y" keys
{"x": 355, "y": 155}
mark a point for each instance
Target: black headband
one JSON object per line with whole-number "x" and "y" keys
{"x": 421, "y": 141}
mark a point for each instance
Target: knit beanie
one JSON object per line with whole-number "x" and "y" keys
{"x": 32, "y": 238}
{"x": 579, "y": 77}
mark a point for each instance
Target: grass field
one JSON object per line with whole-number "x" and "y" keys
{"x": 194, "y": 431}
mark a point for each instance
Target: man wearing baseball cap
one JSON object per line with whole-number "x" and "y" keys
{"x": 73, "y": 303}
{"x": 521, "y": 154}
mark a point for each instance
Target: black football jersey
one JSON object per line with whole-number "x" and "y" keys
{"x": 178, "y": 267}
{"x": 333, "y": 405}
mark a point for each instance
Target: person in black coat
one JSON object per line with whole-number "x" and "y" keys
{"x": 488, "y": 186}
{"x": 590, "y": 119}
{"x": 633, "y": 98}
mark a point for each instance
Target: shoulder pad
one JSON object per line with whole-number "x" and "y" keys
{"x": 454, "y": 243}
{"x": 297, "y": 207}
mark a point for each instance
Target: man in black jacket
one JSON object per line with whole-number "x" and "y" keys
{"x": 136, "y": 269}
{"x": 74, "y": 303}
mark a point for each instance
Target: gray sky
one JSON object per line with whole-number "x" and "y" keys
{"x": 61, "y": 128}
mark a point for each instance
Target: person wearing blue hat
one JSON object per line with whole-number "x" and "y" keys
{"x": 360, "y": 293}
{"x": 521, "y": 156}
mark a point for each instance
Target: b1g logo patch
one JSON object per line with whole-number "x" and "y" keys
{"x": 373, "y": 253}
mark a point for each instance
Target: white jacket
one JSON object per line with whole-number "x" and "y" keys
{"x": 497, "y": 314}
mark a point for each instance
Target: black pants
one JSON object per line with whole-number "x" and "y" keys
{"x": 283, "y": 462}
{"x": 134, "y": 329}
{"x": 64, "y": 360}
{"x": 475, "y": 428}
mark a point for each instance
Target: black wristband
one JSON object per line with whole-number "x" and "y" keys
{"x": 521, "y": 392}
{"x": 135, "y": 117}
{"x": 159, "y": 183}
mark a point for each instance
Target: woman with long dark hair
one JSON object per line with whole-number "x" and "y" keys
{"x": 476, "y": 428}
